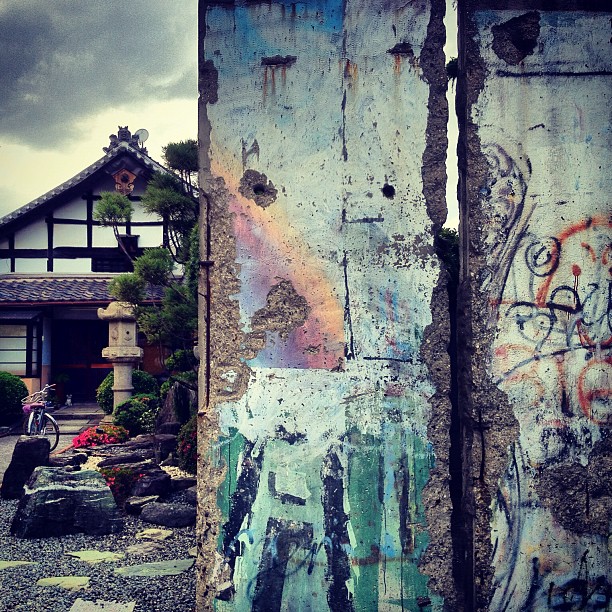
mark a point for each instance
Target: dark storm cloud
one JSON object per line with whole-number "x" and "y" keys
{"x": 63, "y": 60}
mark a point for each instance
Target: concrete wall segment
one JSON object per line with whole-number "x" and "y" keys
{"x": 322, "y": 422}
{"x": 535, "y": 104}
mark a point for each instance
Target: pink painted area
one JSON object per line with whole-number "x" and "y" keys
{"x": 270, "y": 249}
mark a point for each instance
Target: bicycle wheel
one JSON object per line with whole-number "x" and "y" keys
{"x": 51, "y": 430}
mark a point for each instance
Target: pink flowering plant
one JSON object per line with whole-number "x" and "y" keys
{"x": 121, "y": 481}
{"x": 187, "y": 446}
{"x": 102, "y": 434}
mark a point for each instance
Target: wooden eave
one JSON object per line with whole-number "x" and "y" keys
{"x": 77, "y": 186}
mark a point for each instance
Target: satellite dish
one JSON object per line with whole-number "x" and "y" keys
{"x": 142, "y": 135}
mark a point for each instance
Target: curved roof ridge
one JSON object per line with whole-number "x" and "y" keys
{"x": 120, "y": 148}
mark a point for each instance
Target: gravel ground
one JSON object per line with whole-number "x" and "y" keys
{"x": 156, "y": 594}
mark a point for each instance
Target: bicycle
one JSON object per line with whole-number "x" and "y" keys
{"x": 39, "y": 423}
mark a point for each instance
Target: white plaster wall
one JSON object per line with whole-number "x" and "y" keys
{"x": 139, "y": 213}
{"x": 76, "y": 209}
{"x": 149, "y": 236}
{"x": 81, "y": 265}
{"x": 30, "y": 266}
{"x": 104, "y": 236}
{"x": 69, "y": 235}
{"x": 34, "y": 236}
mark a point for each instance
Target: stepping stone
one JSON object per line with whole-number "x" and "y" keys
{"x": 159, "y": 568}
{"x": 96, "y": 556}
{"x": 9, "y": 564}
{"x": 154, "y": 534}
{"x": 146, "y": 547}
{"x": 70, "y": 583}
{"x": 81, "y": 605}
{"x": 193, "y": 552}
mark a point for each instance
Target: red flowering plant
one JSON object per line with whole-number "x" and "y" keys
{"x": 187, "y": 446}
{"x": 121, "y": 481}
{"x": 102, "y": 434}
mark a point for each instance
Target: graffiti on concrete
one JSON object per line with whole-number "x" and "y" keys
{"x": 551, "y": 295}
{"x": 326, "y": 444}
{"x": 324, "y": 490}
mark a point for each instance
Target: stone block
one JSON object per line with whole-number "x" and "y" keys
{"x": 169, "y": 515}
{"x": 29, "y": 453}
{"x": 57, "y": 503}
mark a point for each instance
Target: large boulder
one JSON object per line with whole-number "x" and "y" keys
{"x": 169, "y": 515}
{"x": 171, "y": 427}
{"x": 57, "y": 503}
{"x": 154, "y": 481}
{"x": 191, "y": 496}
{"x": 180, "y": 483}
{"x": 29, "y": 453}
{"x": 180, "y": 403}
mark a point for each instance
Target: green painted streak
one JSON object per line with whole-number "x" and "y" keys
{"x": 231, "y": 447}
{"x": 366, "y": 514}
{"x": 415, "y": 583}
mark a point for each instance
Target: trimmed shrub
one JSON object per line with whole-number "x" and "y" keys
{"x": 181, "y": 361}
{"x": 12, "y": 390}
{"x": 138, "y": 414}
{"x": 187, "y": 446}
{"x": 102, "y": 434}
{"x": 143, "y": 382}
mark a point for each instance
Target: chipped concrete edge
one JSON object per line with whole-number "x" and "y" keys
{"x": 436, "y": 562}
{"x": 487, "y": 420}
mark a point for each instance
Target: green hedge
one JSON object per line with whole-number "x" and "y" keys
{"x": 12, "y": 390}
{"x": 138, "y": 414}
{"x": 142, "y": 382}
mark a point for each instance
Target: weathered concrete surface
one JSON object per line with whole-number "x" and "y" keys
{"x": 323, "y": 430}
{"x": 534, "y": 104}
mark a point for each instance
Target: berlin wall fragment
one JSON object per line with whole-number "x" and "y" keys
{"x": 534, "y": 106}
{"x": 323, "y": 428}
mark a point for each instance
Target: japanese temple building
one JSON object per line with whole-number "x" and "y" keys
{"x": 56, "y": 262}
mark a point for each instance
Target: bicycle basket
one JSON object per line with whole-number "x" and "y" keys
{"x": 28, "y": 408}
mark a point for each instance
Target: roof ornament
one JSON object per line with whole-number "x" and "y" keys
{"x": 124, "y": 135}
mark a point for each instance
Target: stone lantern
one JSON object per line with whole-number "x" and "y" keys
{"x": 122, "y": 350}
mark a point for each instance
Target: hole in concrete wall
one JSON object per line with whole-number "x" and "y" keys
{"x": 402, "y": 48}
{"x": 388, "y": 191}
{"x": 279, "y": 60}
{"x": 517, "y": 38}
{"x": 256, "y": 186}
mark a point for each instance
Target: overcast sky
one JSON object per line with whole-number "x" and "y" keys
{"x": 71, "y": 71}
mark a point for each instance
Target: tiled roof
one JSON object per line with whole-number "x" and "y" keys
{"x": 57, "y": 289}
{"x": 122, "y": 147}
